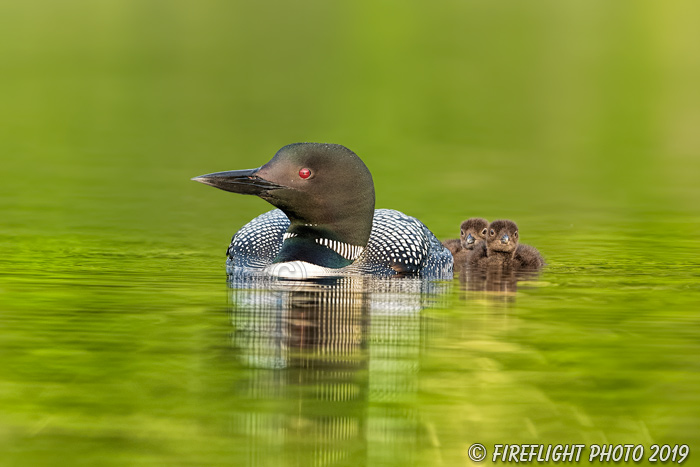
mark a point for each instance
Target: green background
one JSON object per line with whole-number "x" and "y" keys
{"x": 580, "y": 120}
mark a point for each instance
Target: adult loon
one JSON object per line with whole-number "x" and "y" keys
{"x": 326, "y": 223}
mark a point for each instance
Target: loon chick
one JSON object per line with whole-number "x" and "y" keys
{"x": 502, "y": 248}
{"x": 454, "y": 245}
{"x": 471, "y": 233}
{"x": 326, "y": 223}
{"x": 500, "y": 245}
{"x": 527, "y": 257}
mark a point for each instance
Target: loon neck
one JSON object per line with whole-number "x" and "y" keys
{"x": 316, "y": 245}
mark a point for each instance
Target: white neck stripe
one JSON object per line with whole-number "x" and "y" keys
{"x": 347, "y": 251}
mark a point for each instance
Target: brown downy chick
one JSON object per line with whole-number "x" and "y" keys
{"x": 502, "y": 248}
{"x": 527, "y": 257}
{"x": 453, "y": 244}
{"x": 472, "y": 232}
{"x": 500, "y": 245}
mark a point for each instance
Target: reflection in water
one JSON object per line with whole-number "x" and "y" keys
{"x": 338, "y": 359}
{"x": 499, "y": 279}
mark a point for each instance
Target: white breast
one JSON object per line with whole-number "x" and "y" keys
{"x": 299, "y": 270}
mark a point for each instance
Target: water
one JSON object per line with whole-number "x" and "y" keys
{"x": 133, "y": 366}
{"x": 121, "y": 342}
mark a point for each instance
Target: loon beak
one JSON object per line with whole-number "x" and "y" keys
{"x": 245, "y": 182}
{"x": 505, "y": 239}
{"x": 470, "y": 239}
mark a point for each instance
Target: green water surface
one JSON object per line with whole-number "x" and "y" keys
{"x": 121, "y": 342}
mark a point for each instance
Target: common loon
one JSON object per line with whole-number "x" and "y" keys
{"x": 502, "y": 248}
{"x": 326, "y": 223}
{"x": 471, "y": 232}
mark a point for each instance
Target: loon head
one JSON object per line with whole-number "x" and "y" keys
{"x": 502, "y": 237}
{"x": 473, "y": 231}
{"x": 325, "y": 190}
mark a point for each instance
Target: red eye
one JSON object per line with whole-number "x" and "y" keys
{"x": 304, "y": 173}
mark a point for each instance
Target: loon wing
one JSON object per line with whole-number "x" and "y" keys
{"x": 403, "y": 245}
{"x": 398, "y": 245}
{"x": 258, "y": 242}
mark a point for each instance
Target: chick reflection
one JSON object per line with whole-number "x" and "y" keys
{"x": 319, "y": 354}
{"x": 498, "y": 279}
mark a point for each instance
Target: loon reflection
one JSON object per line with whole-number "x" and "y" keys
{"x": 340, "y": 357}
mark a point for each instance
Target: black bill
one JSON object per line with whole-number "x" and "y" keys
{"x": 245, "y": 182}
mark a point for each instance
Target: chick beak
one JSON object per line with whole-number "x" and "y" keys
{"x": 505, "y": 239}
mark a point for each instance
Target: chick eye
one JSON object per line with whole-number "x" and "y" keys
{"x": 461, "y": 232}
{"x": 515, "y": 234}
{"x": 304, "y": 173}
{"x": 483, "y": 232}
{"x": 492, "y": 232}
